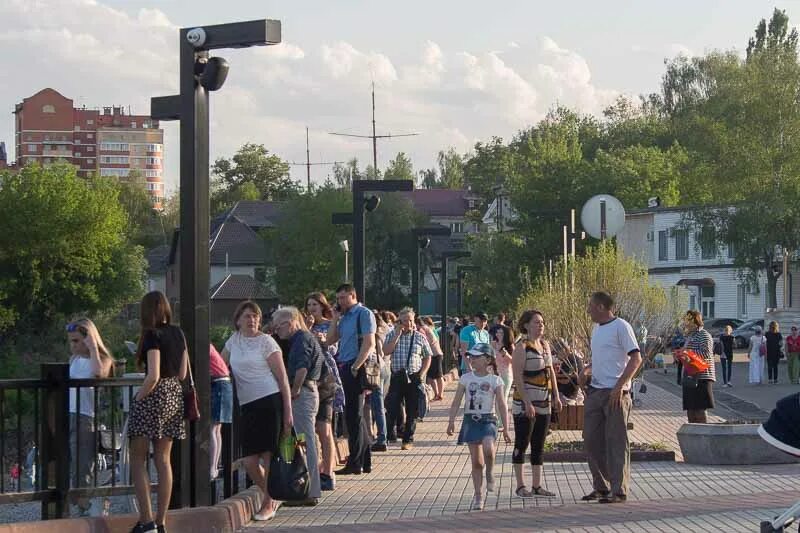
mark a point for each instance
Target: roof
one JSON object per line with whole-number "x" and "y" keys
{"x": 257, "y": 214}
{"x": 239, "y": 287}
{"x": 440, "y": 202}
{"x": 235, "y": 243}
{"x": 157, "y": 259}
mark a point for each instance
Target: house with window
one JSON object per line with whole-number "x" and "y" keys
{"x": 447, "y": 207}
{"x": 678, "y": 253}
{"x": 238, "y": 259}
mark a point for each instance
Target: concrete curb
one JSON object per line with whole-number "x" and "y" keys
{"x": 226, "y": 517}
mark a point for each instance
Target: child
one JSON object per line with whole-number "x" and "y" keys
{"x": 479, "y": 429}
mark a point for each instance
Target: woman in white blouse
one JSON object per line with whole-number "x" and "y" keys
{"x": 264, "y": 398}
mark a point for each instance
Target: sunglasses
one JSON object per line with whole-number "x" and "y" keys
{"x": 72, "y": 328}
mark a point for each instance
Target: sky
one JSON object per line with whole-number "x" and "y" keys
{"x": 454, "y": 71}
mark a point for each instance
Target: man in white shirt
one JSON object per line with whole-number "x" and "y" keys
{"x": 615, "y": 360}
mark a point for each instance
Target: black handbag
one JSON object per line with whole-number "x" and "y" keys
{"x": 369, "y": 375}
{"x": 289, "y": 481}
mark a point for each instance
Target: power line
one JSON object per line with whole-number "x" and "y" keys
{"x": 308, "y": 164}
{"x": 374, "y": 135}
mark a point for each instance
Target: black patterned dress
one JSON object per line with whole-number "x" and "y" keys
{"x": 160, "y": 414}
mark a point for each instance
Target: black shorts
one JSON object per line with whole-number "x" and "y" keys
{"x": 261, "y": 425}
{"x": 435, "y": 371}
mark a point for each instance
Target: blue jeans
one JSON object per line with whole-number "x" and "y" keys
{"x": 379, "y": 414}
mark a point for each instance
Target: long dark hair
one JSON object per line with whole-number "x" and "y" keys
{"x": 322, "y": 301}
{"x": 508, "y": 341}
{"x": 154, "y": 311}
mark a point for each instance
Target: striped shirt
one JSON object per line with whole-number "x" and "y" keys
{"x": 701, "y": 342}
{"x": 419, "y": 350}
{"x": 536, "y": 381}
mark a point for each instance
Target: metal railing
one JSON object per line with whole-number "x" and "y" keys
{"x": 39, "y": 434}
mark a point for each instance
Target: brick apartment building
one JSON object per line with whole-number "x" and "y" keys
{"x": 109, "y": 142}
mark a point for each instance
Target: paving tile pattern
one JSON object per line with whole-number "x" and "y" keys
{"x": 429, "y": 487}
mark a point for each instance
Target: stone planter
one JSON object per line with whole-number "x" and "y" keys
{"x": 728, "y": 444}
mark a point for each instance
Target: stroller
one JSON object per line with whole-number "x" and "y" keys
{"x": 782, "y": 430}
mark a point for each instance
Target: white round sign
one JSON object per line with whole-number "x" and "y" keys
{"x": 602, "y": 216}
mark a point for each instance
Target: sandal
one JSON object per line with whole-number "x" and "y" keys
{"x": 539, "y": 491}
{"x": 522, "y": 492}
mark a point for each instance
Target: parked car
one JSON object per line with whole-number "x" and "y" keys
{"x": 742, "y": 334}
{"x": 716, "y": 326}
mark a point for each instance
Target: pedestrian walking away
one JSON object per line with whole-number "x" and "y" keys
{"x": 774, "y": 351}
{"x": 353, "y": 327}
{"x": 304, "y": 364}
{"x": 265, "y": 404}
{"x": 157, "y": 410}
{"x": 726, "y": 341}
{"x": 411, "y": 357}
{"x": 535, "y": 398}
{"x": 756, "y": 352}
{"x": 615, "y": 360}
{"x": 221, "y": 406}
{"x": 481, "y": 391}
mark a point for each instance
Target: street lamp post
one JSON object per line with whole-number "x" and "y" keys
{"x": 446, "y": 256}
{"x": 362, "y": 204}
{"x": 346, "y": 249}
{"x": 421, "y": 236}
{"x": 461, "y": 272}
{"x": 199, "y": 74}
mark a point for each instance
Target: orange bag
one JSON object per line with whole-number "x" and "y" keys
{"x": 694, "y": 363}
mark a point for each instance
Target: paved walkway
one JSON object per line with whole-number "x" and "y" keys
{"x": 429, "y": 488}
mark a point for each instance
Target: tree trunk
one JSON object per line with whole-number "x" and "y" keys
{"x": 772, "y": 289}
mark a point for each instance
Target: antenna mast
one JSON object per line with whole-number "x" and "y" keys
{"x": 308, "y": 164}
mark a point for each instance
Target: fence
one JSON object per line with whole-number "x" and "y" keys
{"x": 45, "y": 421}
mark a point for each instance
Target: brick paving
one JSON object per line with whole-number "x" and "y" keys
{"x": 429, "y": 487}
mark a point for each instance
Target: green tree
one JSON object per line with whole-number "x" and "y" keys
{"x": 144, "y": 226}
{"x": 399, "y": 168}
{"x": 64, "y": 250}
{"x": 252, "y": 171}
{"x": 428, "y": 178}
{"x": 451, "y": 169}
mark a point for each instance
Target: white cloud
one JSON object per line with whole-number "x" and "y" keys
{"x": 97, "y": 55}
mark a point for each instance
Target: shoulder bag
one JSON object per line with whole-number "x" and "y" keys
{"x": 369, "y": 375}
{"x": 191, "y": 407}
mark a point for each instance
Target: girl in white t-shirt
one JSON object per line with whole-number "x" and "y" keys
{"x": 481, "y": 391}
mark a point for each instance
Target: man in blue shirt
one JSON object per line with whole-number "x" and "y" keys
{"x": 471, "y": 335}
{"x": 353, "y": 327}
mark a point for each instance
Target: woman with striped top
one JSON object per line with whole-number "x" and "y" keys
{"x": 697, "y": 389}
{"x": 534, "y": 384}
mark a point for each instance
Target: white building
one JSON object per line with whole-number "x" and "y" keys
{"x": 663, "y": 239}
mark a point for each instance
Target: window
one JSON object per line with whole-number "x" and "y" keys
{"x": 77, "y": 128}
{"x": 91, "y": 161}
{"x": 681, "y": 244}
{"x": 90, "y": 148}
{"x": 154, "y": 186}
{"x": 149, "y": 173}
{"x": 115, "y": 147}
{"x": 741, "y": 300}
{"x": 28, "y": 138}
{"x": 133, "y": 125}
{"x": 731, "y": 250}
{"x": 89, "y": 122}
{"x": 77, "y": 154}
{"x": 152, "y": 160}
{"x": 46, "y": 137}
{"x": 119, "y": 172}
{"x": 114, "y": 160}
{"x": 31, "y": 148}
{"x": 153, "y": 147}
{"x": 457, "y": 227}
{"x": 708, "y": 243}
{"x": 662, "y": 246}
{"x": 90, "y": 135}
{"x": 48, "y": 108}
{"x": 707, "y": 297}
{"x": 77, "y": 141}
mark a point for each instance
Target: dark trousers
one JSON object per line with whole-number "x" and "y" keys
{"x": 406, "y": 393}
{"x": 680, "y": 371}
{"x": 357, "y": 436}
{"x": 772, "y": 368}
{"x": 727, "y": 364}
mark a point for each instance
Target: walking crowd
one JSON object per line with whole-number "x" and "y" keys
{"x": 328, "y": 371}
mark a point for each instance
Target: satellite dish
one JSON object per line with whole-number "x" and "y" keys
{"x": 603, "y": 216}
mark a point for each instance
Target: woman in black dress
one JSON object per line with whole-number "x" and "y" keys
{"x": 157, "y": 409}
{"x": 774, "y": 347}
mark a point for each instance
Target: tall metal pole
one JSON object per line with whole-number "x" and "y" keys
{"x": 415, "y": 266}
{"x": 443, "y": 306}
{"x": 346, "y": 271}
{"x": 359, "y": 261}
{"x": 308, "y": 164}
{"x": 459, "y": 295}
{"x": 374, "y": 135}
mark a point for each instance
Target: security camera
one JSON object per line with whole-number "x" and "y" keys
{"x": 372, "y": 203}
{"x": 196, "y": 37}
{"x": 214, "y": 73}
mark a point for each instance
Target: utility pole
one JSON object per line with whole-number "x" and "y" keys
{"x": 308, "y": 164}
{"x": 374, "y": 135}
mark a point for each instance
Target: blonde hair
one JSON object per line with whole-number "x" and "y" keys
{"x": 92, "y": 331}
{"x": 728, "y": 329}
{"x": 292, "y": 313}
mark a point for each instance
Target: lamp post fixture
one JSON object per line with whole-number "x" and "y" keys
{"x": 461, "y": 272}
{"x": 362, "y": 204}
{"x": 345, "y": 246}
{"x": 446, "y": 256}
{"x": 421, "y": 236}
{"x": 199, "y": 74}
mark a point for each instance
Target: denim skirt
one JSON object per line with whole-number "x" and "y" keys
{"x": 222, "y": 401}
{"x": 475, "y": 428}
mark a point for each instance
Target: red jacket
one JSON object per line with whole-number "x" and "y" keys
{"x": 793, "y": 343}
